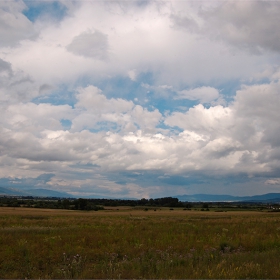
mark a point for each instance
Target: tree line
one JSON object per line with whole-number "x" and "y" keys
{"x": 96, "y": 204}
{"x": 88, "y": 204}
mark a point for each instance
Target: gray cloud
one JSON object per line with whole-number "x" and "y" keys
{"x": 38, "y": 182}
{"x": 250, "y": 25}
{"x": 90, "y": 44}
{"x": 15, "y": 85}
{"x": 5, "y": 66}
{"x": 45, "y": 88}
{"x": 14, "y": 26}
{"x": 203, "y": 94}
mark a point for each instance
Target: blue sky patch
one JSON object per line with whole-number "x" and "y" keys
{"x": 54, "y": 10}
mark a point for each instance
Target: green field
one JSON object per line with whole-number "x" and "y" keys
{"x": 129, "y": 243}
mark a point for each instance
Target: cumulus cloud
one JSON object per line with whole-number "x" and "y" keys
{"x": 229, "y": 139}
{"x": 34, "y": 118}
{"x": 92, "y": 99}
{"x": 97, "y": 109}
{"x": 245, "y": 129}
{"x": 214, "y": 120}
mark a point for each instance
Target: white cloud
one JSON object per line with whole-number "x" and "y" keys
{"x": 132, "y": 74}
{"x": 134, "y": 40}
{"x": 249, "y": 126}
{"x": 96, "y": 108}
{"x": 145, "y": 119}
{"x": 273, "y": 181}
{"x": 92, "y": 99}
{"x": 229, "y": 139}
{"x": 29, "y": 117}
{"x": 213, "y": 121}
{"x": 202, "y": 94}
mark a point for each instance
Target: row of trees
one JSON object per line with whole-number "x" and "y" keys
{"x": 164, "y": 202}
{"x": 99, "y": 204}
{"x": 88, "y": 204}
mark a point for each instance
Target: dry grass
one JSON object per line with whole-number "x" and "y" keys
{"x": 131, "y": 243}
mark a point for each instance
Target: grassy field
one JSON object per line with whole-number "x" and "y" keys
{"x": 129, "y": 243}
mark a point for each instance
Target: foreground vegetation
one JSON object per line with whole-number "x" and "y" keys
{"x": 131, "y": 243}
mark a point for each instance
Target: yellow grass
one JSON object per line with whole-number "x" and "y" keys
{"x": 133, "y": 243}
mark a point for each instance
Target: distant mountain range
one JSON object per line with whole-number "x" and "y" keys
{"x": 45, "y": 193}
{"x": 269, "y": 197}
{"x": 33, "y": 192}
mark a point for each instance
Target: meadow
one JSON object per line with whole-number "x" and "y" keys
{"x": 133, "y": 243}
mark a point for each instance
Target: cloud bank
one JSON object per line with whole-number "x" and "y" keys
{"x": 140, "y": 100}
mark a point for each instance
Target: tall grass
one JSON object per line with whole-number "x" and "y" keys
{"x": 139, "y": 244}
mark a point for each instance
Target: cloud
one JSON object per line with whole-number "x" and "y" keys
{"x": 246, "y": 130}
{"x": 5, "y": 67}
{"x": 14, "y": 26}
{"x": 246, "y": 25}
{"x": 90, "y": 44}
{"x": 132, "y": 74}
{"x": 204, "y": 121}
{"x": 29, "y": 117}
{"x": 92, "y": 99}
{"x": 126, "y": 98}
{"x": 257, "y": 105}
{"x": 243, "y": 24}
{"x": 27, "y": 183}
{"x": 273, "y": 181}
{"x": 97, "y": 109}
{"x": 96, "y": 42}
{"x": 230, "y": 139}
{"x": 202, "y": 94}
{"x": 15, "y": 85}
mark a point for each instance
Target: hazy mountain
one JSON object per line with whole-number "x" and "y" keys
{"x": 33, "y": 192}
{"x": 106, "y": 197}
{"x": 48, "y": 193}
{"x": 216, "y": 198}
{"x": 269, "y": 197}
{"x": 12, "y": 191}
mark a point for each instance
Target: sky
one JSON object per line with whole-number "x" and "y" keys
{"x": 134, "y": 99}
